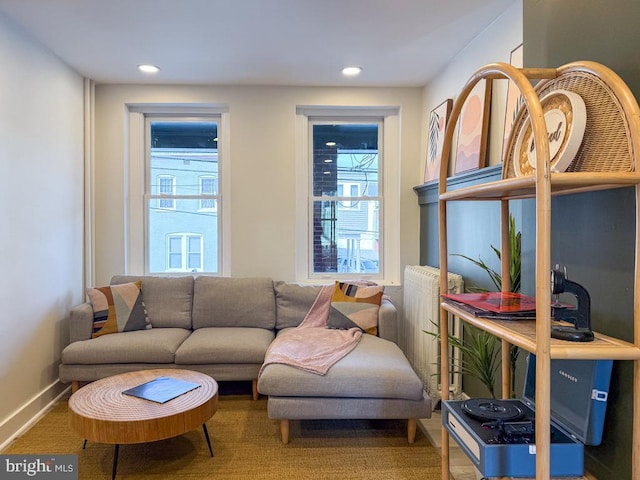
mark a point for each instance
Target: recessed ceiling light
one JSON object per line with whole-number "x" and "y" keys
{"x": 351, "y": 71}
{"x": 148, "y": 68}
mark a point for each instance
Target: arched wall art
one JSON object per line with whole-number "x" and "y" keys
{"x": 473, "y": 125}
{"x": 435, "y": 138}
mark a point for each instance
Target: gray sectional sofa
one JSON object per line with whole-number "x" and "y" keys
{"x": 223, "y": 327}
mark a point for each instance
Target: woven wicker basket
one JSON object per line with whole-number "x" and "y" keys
{"x": 606, "y": 145}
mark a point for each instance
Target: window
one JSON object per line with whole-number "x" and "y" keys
{"x": 190, "y": 143}
{"x": 348, "y": 190}
{"x": 182, "y": 194}
{"x": 349, "y": 162}
{"x": 208, "y": 186}
{"x": 184, "y": 252}
{"x": 166, "y": 186}
{"x": 345, "y": 165}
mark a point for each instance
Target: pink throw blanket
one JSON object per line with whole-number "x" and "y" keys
{"x": 311, "y": 346}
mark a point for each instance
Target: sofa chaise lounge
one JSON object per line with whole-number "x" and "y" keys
{"x": 223, "y": 327}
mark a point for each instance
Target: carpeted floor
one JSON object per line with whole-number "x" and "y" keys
{"x": 247, "y": 446}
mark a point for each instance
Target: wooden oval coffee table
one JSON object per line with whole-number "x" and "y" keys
{"x": 101, "y": 413}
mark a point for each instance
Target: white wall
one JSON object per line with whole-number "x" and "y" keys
{"x": 263, "y": 189}
{"x": 41, "y": 182}
{"x": 494, "y": 44}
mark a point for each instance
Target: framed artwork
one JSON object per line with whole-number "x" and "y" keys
{"x": 438, "y": 119}
{"x": 514, "y": 100}
{"x": 473, "y": 126}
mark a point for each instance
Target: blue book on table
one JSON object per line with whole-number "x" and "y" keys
{"x": 161, "y": 389}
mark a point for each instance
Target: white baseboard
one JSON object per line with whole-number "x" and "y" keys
{"x": 32, "y": 411}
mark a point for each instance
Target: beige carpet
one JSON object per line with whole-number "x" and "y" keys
{"x": 247, "y": 446}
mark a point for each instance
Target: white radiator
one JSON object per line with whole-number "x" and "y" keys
{"x": 421, "y": 310}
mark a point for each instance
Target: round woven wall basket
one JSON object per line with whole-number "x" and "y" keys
{"x": 606, "y": 144}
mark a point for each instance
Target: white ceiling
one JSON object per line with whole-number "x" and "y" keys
{"x": 255, "y": 42}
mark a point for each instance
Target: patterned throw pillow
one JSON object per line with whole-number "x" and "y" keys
{"x": 355, "y": 305}
{"x": 118, "y": 308}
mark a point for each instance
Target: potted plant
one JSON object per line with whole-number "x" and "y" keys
{"x": 481, "y": 351}
{"x": 480, "y": 356}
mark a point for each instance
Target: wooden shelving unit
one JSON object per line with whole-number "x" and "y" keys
{"x": 534, "y": 336}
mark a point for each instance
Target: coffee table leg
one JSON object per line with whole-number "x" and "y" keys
{"x": 206, "y": 435}
{"x": 115, "y": 462}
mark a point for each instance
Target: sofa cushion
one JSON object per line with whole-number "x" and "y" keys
{"x": 157, "y": 345}
{"x": 117, "y": 308}
{"x": 355, "y": 305}
{"x": 376, "y": 368}
{"x": 217, "y": 345}
{"x": 233, "y": 302}
{"x": 168, "y": 299}
{"x": 293, "y": 301}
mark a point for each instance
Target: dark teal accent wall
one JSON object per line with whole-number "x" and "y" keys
{"x": 593, "y": 234}
{"x": 467, "y": 238}
{"x": 556, "y": 32}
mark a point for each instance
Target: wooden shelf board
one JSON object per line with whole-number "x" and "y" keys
{"x": 522, "y": 333}
{"x": 561, "y": 184}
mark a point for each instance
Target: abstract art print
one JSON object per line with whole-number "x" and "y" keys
{"x": 473, "y": 127}
{"x": 437, "y": 123}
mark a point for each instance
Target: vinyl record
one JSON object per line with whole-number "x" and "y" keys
{"x": 491, "y": 409}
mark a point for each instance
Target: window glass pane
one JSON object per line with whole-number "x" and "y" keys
{"x": 346, "y": 241}
{"x": 194, "y": 244}
{"x": 182, "y": 233}
{"x": 345, "y": 231}
{"x": 166, "y": 185}
{"x": 166, "y": 203}
{"x": 185, "y": 218}
{"x": 184, "y": 150}
{"x": 194, "y": 261}
{"x": 194, "y": 253}
{"x": 175, "y": 244}
{"x": 175, "y": 252}
{"x": 345, "y": 153}
{"x": 207, "y": 185}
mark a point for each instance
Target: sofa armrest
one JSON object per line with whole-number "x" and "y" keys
{"x": 80, "y": 322}
{"x": 388, "y": 321}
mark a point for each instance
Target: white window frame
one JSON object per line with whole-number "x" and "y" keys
{"x": 135, "y": 166}
{"x": 184, "y": 251}
{"x": 389, "y": 185}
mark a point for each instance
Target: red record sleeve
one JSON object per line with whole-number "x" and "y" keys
{"x": 496, "y": 302}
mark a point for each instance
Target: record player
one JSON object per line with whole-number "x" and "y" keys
{"x": 499, "y": 435}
